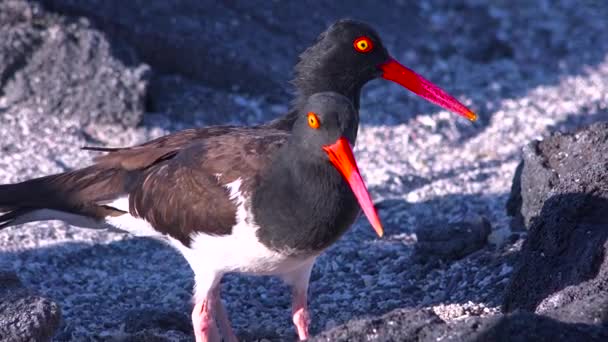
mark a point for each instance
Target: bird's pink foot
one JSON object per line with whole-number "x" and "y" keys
{"x": 300, "y": 319}
{"x": 203, "y": 323}
{"x": 300, "y": 314}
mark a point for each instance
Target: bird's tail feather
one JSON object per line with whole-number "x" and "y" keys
{"x": 9, "y": 218}
{"x": 72, "y": 197}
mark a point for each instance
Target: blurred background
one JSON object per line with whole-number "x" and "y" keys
{"x": 115, "y": 73}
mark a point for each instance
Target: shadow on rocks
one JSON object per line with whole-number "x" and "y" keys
{"x": 445, "y": 254}
{"x": 61, "y": 67}
{"x": 547, "y": 162}
{"x": 562, "y": 269}
{"x": 120, "y": 290}
{"x": 425, "y": 326}
{"x": 499, "y": 52}
{"x": 522, "y": 326}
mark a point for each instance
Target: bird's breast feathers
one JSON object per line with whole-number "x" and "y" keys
{"x": 240, "y": 251}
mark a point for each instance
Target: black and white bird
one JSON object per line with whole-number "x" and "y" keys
{"x": 205, "y": 189}
{"x": 246, "y": 200}
{"x": 344, "y": 58}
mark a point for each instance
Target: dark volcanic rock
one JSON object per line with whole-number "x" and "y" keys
{"x": 246, "y": 47}
{"x": 523, "y": 326}
{"x": 183, "y": 38}
{"x": 66, "y": 68}
{"x": 566, "y": 253}
{"x": 453, "y": 240}
{"x": 25, "y": 316}
{"x": 424, "y": 325}
{"x": 576, "y": 305}
{"x": 18, "y": 37}
{"x": 546, "y": 162}
{"x": 398, "y": 325}
{"x": 226, "y": 45}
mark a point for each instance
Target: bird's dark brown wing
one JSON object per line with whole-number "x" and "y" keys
{"x": 188, "y": 193}
{"x": 180, "y": 170}
{"x": 141, "y": 156}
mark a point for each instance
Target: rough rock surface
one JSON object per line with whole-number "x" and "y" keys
{"x": 546, "y": 162}
{"x": 24, "y": 315}
{"x": 425, "y": 326}
{"x": 577, "y": 304}
{"x": 222, "y": 44}
{"x": 529, "y": 69}
{"x": 62, "y": 67}
{"x": 564, "y": 261}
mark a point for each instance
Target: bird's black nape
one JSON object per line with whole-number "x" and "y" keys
{"x": 347, "y": 56}
{"x": 335, "y": 64}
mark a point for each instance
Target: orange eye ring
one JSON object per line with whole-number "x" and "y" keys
{"x": 313, "y": 120}
{"x": 363, "y": 44}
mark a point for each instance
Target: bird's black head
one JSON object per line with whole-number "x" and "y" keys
{"x": 321, "y": 135}
{"x": 348, "y": 55}
{"x": 322, "y": 120}
{"x": 344, "y": 58}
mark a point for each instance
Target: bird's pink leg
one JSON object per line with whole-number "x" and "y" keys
{"x": 222, "y": 317}
{"x": 299, "y": 279}
{"x": 202, "y": 321}
{"x": 300, "y": 313}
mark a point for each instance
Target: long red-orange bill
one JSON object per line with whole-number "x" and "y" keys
{"x": 341, "y": 156}
{"x": 394, "y": 71}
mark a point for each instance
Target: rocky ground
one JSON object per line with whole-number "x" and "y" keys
{"x": 457, "y": 263}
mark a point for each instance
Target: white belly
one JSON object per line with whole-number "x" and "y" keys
{"x": 231, "y": 254}
{"x": 240, "y": 251}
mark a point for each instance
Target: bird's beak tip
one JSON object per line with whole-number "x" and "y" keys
{"x": 407, "y": 78}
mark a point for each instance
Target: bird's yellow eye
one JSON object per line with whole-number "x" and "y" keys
{"x": 363, "y": 44}
{"x": 313, "y": 120}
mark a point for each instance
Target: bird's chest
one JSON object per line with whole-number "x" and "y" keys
{"x": 241, "y": 252}
{"x": 310, "y": 221}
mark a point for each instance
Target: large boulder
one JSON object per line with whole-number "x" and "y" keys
{"x": 24, "y": 315}
{"x": 66, "y": 68}
{"x": 564, "y": 261}
{"x": 251, "y": 46}
{"x": 424, "y": 325}
{"x": 546, "y": 162}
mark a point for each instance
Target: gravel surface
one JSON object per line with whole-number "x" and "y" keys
{"x": 527, "y": 70}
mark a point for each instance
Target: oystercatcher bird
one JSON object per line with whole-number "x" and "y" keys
{"x": 248, "y": 200}
{"x": 345, "y": 57}
{"x": 202, "y": 188}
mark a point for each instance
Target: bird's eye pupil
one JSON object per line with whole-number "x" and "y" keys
{"x": 363, "y": 44}
{"x": 313, "y": 120}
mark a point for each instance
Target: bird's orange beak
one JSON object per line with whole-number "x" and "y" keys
{"x": 394, "y": 71}
{"x": 341, "y": 156}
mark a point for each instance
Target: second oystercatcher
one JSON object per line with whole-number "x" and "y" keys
{"x": 249, "y": 200}
{"x": 209, "y": 189}
{"x": 345, "y": 57}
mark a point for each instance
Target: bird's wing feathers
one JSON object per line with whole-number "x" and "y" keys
{"x": 146, "y": 154}
{"x": 188, "y": 171}
{"x": 195, "y": 182}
